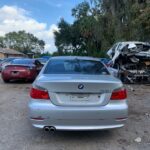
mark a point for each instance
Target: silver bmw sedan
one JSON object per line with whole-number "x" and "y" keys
{"x": 77, "y": 93}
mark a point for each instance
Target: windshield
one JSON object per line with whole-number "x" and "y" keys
{"x": 22, "y": 62}
{"x": 75, "y": 66}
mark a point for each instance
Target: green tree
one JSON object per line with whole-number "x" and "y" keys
{"x": 141, "y": 21}
{"x": 99, "y": 24}
{"x": 86, "y": 36}
{"x": 63, "y": 36}
{"x": 2, "y": 45}
{"x": 22, "y": 41}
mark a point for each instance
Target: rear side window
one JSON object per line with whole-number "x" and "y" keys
{"x": 75, "y": 66}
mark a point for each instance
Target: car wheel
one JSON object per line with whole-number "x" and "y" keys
{"x": 30, "y": 80}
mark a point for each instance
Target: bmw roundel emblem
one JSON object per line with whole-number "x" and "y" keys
{"x": 80, "y": 86}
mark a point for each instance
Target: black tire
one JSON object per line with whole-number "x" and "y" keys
{"x": 31, "y": 80}
{"x": 6, "y": 81}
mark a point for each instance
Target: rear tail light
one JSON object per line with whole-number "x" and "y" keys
{"x": 38, "y": 93}
{"x": 7, "y": 67}
{"x": 119, "y": 94}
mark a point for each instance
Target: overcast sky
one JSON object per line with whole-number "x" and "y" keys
{"x": 39, "y": 17}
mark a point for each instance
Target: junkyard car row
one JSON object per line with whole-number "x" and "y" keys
{"x": 77, "y": 93}
{"x": 70, "y": 86}
{"x": 81, "y": 93}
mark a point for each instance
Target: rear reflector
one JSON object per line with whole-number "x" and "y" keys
{"x": 37, "y": 118}
{"x": 39, "y": 94}
{"x": 121, "y": 119}
{"x": 120, "y": 94}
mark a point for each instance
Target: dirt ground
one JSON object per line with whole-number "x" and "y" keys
{"x": 16, "y": 133}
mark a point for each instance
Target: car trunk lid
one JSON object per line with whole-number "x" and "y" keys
{"x": 79, "y": 89}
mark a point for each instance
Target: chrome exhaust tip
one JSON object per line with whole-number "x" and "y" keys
{"x": 49, "y": 129}
{"x": 52, "y": 129}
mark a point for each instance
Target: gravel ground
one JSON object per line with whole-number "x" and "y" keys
{"x": 16, "y": 133}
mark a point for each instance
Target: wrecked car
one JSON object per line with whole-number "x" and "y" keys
{"x": 132, "y": 60}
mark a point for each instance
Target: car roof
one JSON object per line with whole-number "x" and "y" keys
{"x": 74, "y": 57}
{"x": 7, "y": 60}
{"x": 23, "y": 59}
{"x": 134, "y": 42}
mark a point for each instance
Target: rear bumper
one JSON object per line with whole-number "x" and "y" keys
{"x": 81, "y": 128}
{"x": 113, "y": 115}
{"x": 18, "y": 77}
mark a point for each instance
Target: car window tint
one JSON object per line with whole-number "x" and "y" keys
{"x": 42, "y": 60}
{"x": 75, "y": 67}
{"x": 22, "y": 61}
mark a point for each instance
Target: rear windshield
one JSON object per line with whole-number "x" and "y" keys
{"x": 7, "y": 60}
{"x": 22, "y": 62}
{"x": 42, "y": 60}
{"x": 75, "y": 66}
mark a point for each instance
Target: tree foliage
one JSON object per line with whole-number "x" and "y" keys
{"x": 22, "y": 41}
{"x": 100, "y": 23}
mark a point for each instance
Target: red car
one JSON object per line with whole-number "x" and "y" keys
{"x": 21, "y": 69}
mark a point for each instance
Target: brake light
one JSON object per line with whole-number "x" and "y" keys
{"x": 39, "y": 94}
{"x": 120, "y": 94}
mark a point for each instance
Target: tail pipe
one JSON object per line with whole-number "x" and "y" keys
{"x": 49, "y": 129}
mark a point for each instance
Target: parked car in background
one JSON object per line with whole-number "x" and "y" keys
{"x": 113, "y": 71}
{"x": 42, "y": 60}
{"x": 108, "y": 62}
{"x": 21, "y": 69}
{"x": 77, "y": 93}
{"x": 132, "y": 59}
{"x": 46, "y": 57}
{"x": 1, "y": 60}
